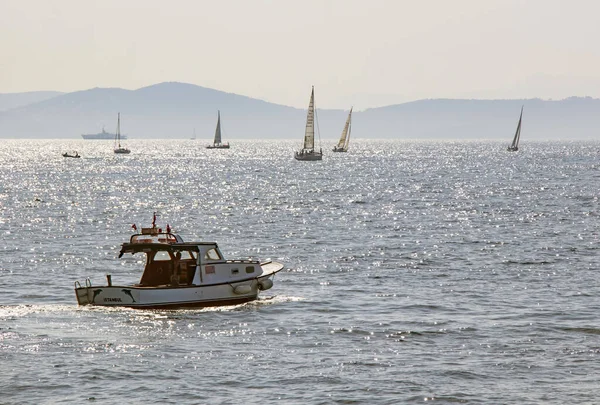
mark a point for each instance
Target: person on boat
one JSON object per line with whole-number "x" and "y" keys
{"x": 175, "y": 271}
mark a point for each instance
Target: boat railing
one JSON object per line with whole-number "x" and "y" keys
{"x": 248, "y": 260}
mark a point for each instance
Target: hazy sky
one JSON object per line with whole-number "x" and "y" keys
{"x": 365, "y": 53}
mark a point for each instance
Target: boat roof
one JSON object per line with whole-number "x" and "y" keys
{"x": 155, "y": 235}
{"x": 171, "y": 247}
{"x": 150, "y": 239}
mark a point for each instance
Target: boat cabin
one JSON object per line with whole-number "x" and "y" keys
{"x": 172, "y": 262}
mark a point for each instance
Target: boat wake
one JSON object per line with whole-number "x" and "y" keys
{"x": 275, "y": 299}
{"x": 20, "y": 311}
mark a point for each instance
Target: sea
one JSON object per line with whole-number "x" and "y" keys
{"x": 450, "y": 272}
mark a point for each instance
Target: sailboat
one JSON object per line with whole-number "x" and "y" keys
{"x": 193, "y": 138}
{"x": 308, "y": 149}
{"x": 118, "y": 148}
{"x": 342, "y": 145}
{"x": 514, "y": 146}
{"x": 217, "y": 144}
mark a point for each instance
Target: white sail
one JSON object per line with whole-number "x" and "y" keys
{"x": 309, "y": 133}
{"x": 345, "y": 137}
{"x": 118, "y": 134}
{"x": 517, "y": 138}
{"x": 218, "y": 130}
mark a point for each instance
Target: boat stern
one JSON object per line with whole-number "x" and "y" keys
{"x": 105, "y": 295}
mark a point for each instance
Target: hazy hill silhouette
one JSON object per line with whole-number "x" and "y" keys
{"x": 571, "y": 118}
{"x": 14, "y": 100}
{"x": 174, "y": 110}
{"x": 166, "y": 110}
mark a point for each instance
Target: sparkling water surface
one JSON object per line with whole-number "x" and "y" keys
{"x": 449, "y": 272}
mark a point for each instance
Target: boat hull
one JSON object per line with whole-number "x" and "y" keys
{"x": 338, "y": 150}
{"x": 310, "y": 156}
{"x": 122, "y": 151}
{"x": 173, "y": 297}
{"x": 217, "y": 147}
{"x": 169, "y": 297}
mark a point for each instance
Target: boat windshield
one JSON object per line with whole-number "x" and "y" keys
{"x": 212, "y": 254}
{"x": 163, "y": 264}
{"x": 167, "y": 255}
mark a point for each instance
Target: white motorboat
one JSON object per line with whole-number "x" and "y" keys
{"x": 102, "y": 136}
{"x": 180, "y": 274}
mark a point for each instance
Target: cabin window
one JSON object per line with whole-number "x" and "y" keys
{"x": 186, "y": 255}
{"x": 212, "y": 254}
{"x": 235, "y": 271}
{"x": 161, "y": 256}
{"x": 250, "y": 269}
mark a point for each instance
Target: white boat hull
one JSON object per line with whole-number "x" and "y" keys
{"x": 172, "y": 297}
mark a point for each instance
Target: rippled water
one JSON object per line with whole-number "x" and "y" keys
{"x": 452, "y": 272}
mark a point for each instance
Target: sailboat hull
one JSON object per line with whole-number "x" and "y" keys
{"x": 226, "y": 146}
{"x": 338, "y": 150}
{"x": 308, "y": 156}
{"x": 122, "y": 151}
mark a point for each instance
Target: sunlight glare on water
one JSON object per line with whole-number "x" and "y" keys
{"x": 415, "y": 271}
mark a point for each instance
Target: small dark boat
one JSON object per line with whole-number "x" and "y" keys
{"x": 71, "y": 155}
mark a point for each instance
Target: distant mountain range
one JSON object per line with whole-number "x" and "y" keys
{"x": 14, "y": 100}
{"x": 175, "y": 110}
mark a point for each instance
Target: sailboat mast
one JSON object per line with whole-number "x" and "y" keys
{"x": 317, "y": 125}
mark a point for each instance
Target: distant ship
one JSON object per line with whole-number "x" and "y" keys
{"x": 102, "y": 136}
